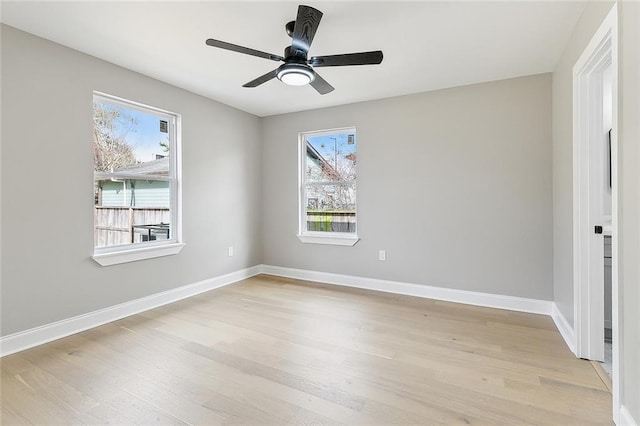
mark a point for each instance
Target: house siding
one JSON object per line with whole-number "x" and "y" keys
{"x": 146, "y": 194}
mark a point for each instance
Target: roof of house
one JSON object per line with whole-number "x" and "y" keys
{"x": 149, "y": 168}
{"x": 327, "y": 168}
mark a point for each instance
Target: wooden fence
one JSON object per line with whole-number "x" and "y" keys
{"x": 331, "y": 221}
{"x": 115, "y": 225}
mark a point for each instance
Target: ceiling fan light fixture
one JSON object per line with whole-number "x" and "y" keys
{"x": 295, "y": 74}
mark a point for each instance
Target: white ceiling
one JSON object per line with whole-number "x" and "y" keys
{"x": 426, "y": 45}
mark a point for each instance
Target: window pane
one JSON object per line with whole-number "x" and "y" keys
{"x": 132, "y": 174}
{"x": 330, "y": 158}
{"x": 331, "y": 208}
{"x": 125, "y": 137}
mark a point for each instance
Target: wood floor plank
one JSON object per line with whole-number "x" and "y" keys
{"x": 191, "y": 373}
{"x": 273, "y": 351}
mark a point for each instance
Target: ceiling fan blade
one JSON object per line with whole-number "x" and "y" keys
{"x": 262, "y": 79}
{"x": 362, "y": 58}
{"x": 305, "y": 29}
{"x": 321, "y": 85}
{"x": 242, "y": 49}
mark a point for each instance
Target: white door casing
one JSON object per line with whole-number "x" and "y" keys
{"x": 588, "y": 264}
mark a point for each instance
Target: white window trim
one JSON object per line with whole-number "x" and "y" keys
{"x": 341, "y": 239}
{"x": 315, "y": 237}
{"x": 137, "y": 253}
{"x": 107, "y": 256}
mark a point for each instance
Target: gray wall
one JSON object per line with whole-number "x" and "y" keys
{"x": 454, "y": 184}
{"x": 563, "y": 156}
{"x": 629, "y": 225}
{"x": 47, "y": 236}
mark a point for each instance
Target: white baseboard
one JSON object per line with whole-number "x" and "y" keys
{"x": 511, "y": 303}
{"x": 39, "y": 335}
{"x": 566, "y": 331}
{"x": 625, "y": 417}
{"x": 36, "y": 336}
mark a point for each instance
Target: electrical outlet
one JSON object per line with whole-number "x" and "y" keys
{"x": 382, "y": 255}
{"x": 230, "y": 251}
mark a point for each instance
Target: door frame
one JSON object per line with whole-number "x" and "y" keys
{"x": 601, "y": 52}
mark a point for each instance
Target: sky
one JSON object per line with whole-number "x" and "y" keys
{"x": 145, "y": 136}
{"x": 326, "y": 145}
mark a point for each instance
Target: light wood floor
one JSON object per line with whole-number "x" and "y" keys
{"x": 276, "y": 351}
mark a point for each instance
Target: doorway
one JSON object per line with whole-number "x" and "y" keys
{"x": 595, "y": 198}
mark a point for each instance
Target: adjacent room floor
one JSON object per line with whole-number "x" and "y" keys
{"x": 270, "y": 350}
{"x": 608, "y": 358}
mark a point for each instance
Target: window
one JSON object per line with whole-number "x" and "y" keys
{"x": 327, "y": 200}
{"x": 136, "y": 181}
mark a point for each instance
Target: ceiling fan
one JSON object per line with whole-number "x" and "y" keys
{"x": 297, "y": 69}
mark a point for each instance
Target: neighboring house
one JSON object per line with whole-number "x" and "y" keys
{"x": 132, "y": 204}
{"x": 318, "y": 168}
{"x": 134, "y": 186}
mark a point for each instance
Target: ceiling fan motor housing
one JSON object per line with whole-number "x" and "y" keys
{"x": 295, "y": 55}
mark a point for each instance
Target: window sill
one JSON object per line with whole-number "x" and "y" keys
{"x": 132, "y": 255}
{"x": 335, "y": 240}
